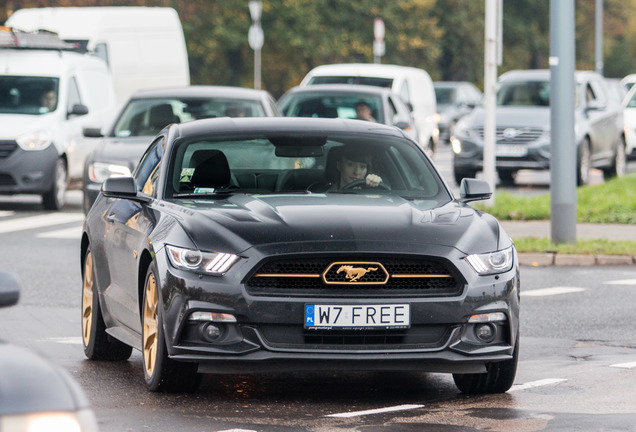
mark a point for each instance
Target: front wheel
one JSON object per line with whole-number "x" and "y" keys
{"x": 498, "y": 378}
{"x": 98, "y": 345}
{"x": 54, "y": 198}
{"x": 619, "y": 163}
{"x": 584, "y": 163}
{"x": 160, "y": 372}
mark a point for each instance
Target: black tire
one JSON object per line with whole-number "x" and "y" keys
{"x": 98, "y": 345}
{"x": 463, "y": 173}
{"x": 619, "y": 163}
{"x": 54, "y": 198}
{"x": 507, "y": 177}
{"x": 584, "y": 163}
{"x": 498, "y": 378}
{"x": 160, "y": 372}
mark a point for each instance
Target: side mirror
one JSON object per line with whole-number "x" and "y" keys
{"x": 474, "y": 190}
{"x": 9, "y": 289}
{"x": 123, "y": 187}
{"x": 402, "y": 124}
{"x": 90, "y": 132}
{"x": 78, "y": 110}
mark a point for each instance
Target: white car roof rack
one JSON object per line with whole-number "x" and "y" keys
{"x": 39, "y": 39}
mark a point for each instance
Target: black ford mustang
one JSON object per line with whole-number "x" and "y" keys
{"x": 240, "y": 245}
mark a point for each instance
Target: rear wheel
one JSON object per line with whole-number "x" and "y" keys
{"x": 584, "y": 163}
{"x": 54, "y": 199}
{"x": 160, "y": 372}
{"x": 498, "y": 378}
{"x": 98, "y": 345}
{"x": 507, "y": 177}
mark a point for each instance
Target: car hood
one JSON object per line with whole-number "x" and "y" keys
{"x": 244, "y": 221}
{"x": 30, "y": 384}
{"x": 510, "y": 116}
{"x": 14, "y": 125}
{"x": 126, "y": 151}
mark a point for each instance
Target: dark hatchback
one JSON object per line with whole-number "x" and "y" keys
{"x": 230, "y": 250}
{"x": 149, "y": 111}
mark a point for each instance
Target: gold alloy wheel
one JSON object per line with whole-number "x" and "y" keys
{"x": 87, "y": 299}
{"x": 150, "y": 325}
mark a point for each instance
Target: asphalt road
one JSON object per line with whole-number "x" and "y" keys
{"x": 577, "y": 369}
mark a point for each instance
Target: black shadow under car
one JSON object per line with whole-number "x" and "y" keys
{"x": 282, "y": 244}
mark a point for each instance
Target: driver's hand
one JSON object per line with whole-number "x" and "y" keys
{"x": 373, "y": 180}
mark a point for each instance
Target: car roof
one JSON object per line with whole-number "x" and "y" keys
{"x": 364, "y": 69}
{"x": 200, "y": 91}
{"x": 342, "y": 88}
{"x": 540, "y": 75}
{"x": 285, "y": 125}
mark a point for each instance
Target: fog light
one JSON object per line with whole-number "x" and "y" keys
{"x": 211, "y": 332}
{"x": 485, "y": 332}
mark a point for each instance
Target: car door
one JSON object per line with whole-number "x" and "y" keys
{"x": 601, "y": 120}
{"x": 129, "y": 224}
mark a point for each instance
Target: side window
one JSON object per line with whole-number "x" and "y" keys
{"x": 594, "y": 92}
{"x": 73, "y": 95}
{"x": 404, "y": 92}
{"x": 101, "y": 51}
{"x": 147, "y": 173}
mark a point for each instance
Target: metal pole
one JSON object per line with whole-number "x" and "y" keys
{"x": 257, "y": 69}
{"x": 599, "y": 37}
{"x": 562, "y": 99}
{"x": 490, "y": 101}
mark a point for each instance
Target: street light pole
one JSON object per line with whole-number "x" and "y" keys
{"x": 256, "y": 39}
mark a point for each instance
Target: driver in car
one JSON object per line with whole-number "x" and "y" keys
{"x": 354, "y": 166}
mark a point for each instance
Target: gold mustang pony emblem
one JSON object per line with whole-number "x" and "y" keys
{"x": 355, "y": 273}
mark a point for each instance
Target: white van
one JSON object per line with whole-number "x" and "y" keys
{"x": 413, "y": 85}
{"x": 48, "y": 95}
{"x": 143, "y": 46}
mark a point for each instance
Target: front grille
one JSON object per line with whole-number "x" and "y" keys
{"x": 6, "y": 148}
{"x": 508, "y": 135}
{"x": 416, "y": 337}
{"x": 390, "y": 276}
{"x": 6, "y": 180}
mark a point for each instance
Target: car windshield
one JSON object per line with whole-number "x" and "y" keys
{"x": 304, "y": 163}
{"x": 524, "y": 93}
{"x": 330, "y": 105}
{"x": 445, "y": 95}
{"x": 28, "y": 94}
{"x": 631, "y": 103}
{"x": 372, "y": 81}
{"x": 146, "y": 117}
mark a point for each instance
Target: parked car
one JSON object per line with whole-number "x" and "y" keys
{"x": 413, "y": 85}
{"x": 341, "y": 100}
{"x": 43, "y": 111}
{"x": 149, "y": 111}
{"x": 244, "y": 245}
{"x": 455, "y": 99}
{"x": 35, "y": 394}
{"x": 628, "y": 81}
{"x": 523, "y": 128}
{"x": 629, "y": 118}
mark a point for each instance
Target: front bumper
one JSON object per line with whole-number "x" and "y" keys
{"x": 534, "y": 156}
{"x": 28, "y": 172}
{"x": 269, "y": 334}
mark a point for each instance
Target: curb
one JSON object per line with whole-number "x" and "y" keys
{"x": 552, "y": 258}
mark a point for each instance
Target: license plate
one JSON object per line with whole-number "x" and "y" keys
{"x": 357, "y": 316}
{"x": 511, "y": 150}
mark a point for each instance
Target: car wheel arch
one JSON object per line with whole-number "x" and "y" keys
{"x": 144, "y": 263}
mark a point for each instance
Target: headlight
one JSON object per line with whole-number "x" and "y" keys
{"x": 212, "y": 263}
{"x": 34, "y": 141}
{"x": 463, "y": 129}
{"x": 491, "y": 263}
{"x": 81, "y": 421}
{"x": 98, "y": 172}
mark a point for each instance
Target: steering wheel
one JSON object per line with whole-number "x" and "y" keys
{"x": 362, "y": 184}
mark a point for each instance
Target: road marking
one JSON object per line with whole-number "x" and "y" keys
{"x": 622, "y": 282}
{"x": 68, "y": 233}
{"x": 551, "y": 291}
{"x": 238, "y": 430}
{"x": 66, "y": 340}
{"x": 32, "y": 222}
{"x": 376, "y": 411}
{"x": 5, "y": 213}
{"x": 540, "y": 383}
{"x": 624, "y": 365}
